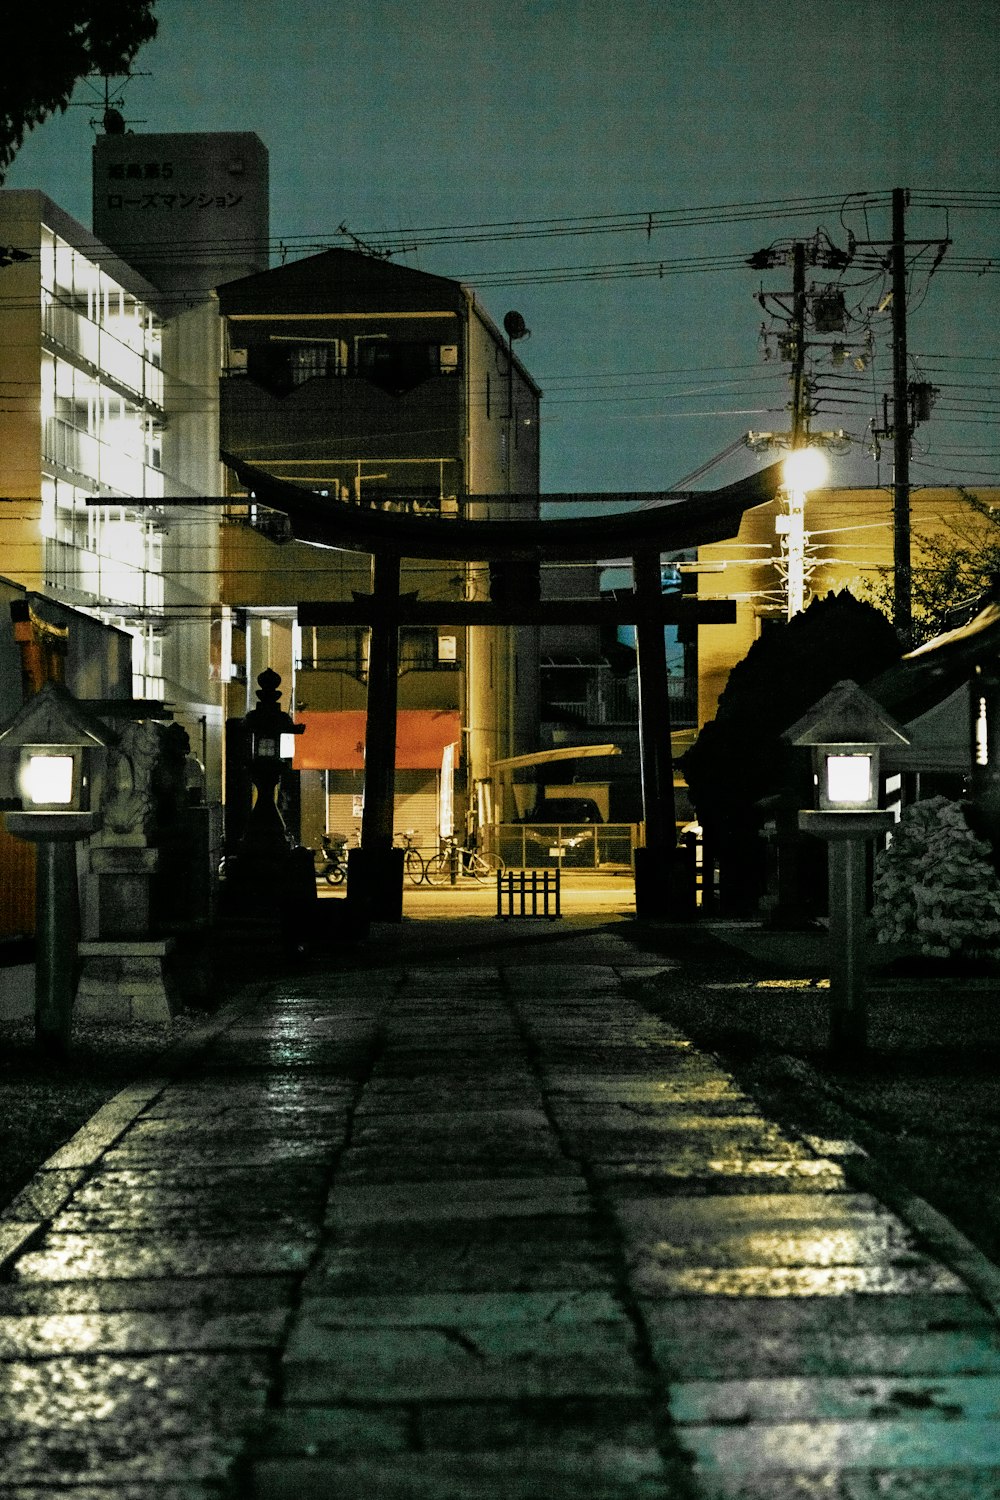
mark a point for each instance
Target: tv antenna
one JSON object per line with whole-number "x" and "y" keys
{"x": 108, "y": 97}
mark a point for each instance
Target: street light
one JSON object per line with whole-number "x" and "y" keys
{"x": 804, "y": 469}
{"x": 52, "y": 757}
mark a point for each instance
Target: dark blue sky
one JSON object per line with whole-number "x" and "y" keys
{"x": 394, "y": 116}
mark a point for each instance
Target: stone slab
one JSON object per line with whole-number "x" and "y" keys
{"x": 104, "y": 1127}
{"x": 951, "y": 1483}
{"x": 514, "y": 1128}
{"x": 44, "y": 1195}
{"x": 696, "y": 1147}
{"x": 611, "y": 1430}
{"x": 138, "y": 1333}
{"x": 832, "y": 1446}
{"x": 112, "y": 1421}
{"x": 518, "y": 1360}
{"x": 70, "y": 1257}
{"x": 368, "y": 1166}
{"x": 15, "y": 1236}
{"x": 220, "y": 1150}
{"x": 482, "y": 1198}
{"x": 235, "y": 1187}
{"x": 663, "y": 1174}
{"x": 793, "y": 1281}
{"x": 297, "y": 1124}
{"x": 384, "y": 1096}
{"x": 207, "y": 1297}
{"x": 303, "y": 1431}
{"x": 466, "y": 1310}
{"x": 870, "y": 1240}
{"x": 937, "y": 1398}
{"x": 542, "y": 1475}
{"x": 502, "y": 1256}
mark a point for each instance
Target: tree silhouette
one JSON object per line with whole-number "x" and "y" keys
{"x": 51, "y": 48}
{"x": 739, "y": 758}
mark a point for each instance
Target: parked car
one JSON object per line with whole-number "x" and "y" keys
{"x": 564, "y": 810}
{"x": 562, "y": 831}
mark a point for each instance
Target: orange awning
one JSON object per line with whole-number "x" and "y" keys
{"x": 336, "y": 741}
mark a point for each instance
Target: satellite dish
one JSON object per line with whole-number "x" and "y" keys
{"x": 114, "y": 122}
{"x": 515, "y": 326}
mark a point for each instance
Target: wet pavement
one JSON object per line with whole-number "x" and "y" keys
{"x": 456, "y": 1216}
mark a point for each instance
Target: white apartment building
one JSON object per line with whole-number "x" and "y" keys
{"x": 108, "y": 395}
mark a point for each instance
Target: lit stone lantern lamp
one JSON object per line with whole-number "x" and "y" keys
{"x": 52, "y": 758}
{"x": 846, "y": 731}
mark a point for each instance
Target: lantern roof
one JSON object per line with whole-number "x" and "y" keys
{"x": 846, "y": 715}
{"x": 53, "y": 716}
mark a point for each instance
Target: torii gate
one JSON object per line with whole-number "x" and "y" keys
{"x": 669, "y": 521}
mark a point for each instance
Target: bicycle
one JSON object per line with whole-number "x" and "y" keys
{"x": 331, "y": 860}
{"x": 455, "y": 859}
{"x": 413, "y": 861}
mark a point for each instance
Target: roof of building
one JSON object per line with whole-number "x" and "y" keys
{"x": 930, "y": 674}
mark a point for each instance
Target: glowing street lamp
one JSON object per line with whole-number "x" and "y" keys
{"x": 804, "y": 469}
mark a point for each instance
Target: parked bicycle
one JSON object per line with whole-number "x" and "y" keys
{"x": 455, "y": 860}
{"x": 413, "y": 861}
{"x": 331, "y": 860}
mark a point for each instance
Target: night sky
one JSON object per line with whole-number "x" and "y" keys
{"x": 757, "y": 121}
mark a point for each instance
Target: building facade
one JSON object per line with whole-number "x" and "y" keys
{"x": 849, "y": 546}
{"x": 379, "y": 386}
{"x": 110, "y": 400}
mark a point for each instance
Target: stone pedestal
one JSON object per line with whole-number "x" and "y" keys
{"x": 123, "y": 872}
{"x": 122, "y": 978}
{"x": 123, "y": 982}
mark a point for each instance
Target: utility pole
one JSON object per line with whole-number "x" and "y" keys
{"x": 795, "y": 499}
{"x": 911, "y": 405}
{"x": 822, "y": 309}
{"x": 901, "y": 567}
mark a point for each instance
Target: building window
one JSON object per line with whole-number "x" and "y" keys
{"x": 400, "y": 365}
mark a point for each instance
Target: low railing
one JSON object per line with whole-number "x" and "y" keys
{"x": 528, "y": 893}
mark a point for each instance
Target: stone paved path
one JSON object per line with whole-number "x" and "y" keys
{"x": 479, "y": 1231}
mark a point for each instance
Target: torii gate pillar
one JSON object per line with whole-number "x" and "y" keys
{"x": 375, "y": 871}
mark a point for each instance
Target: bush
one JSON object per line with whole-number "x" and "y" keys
{"x": 935, "y": 886}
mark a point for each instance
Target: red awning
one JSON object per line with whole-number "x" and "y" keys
{"x": 336, "y": 741}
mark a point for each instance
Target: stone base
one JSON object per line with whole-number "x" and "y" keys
{"x": 17, "y": 992}
{"x": 123, "y": 982}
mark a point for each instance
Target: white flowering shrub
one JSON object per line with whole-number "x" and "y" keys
{"x": 935, "y": 888}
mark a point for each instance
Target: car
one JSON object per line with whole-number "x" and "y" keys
{"x": 563, "y": 831}
{"x": 564, "y": 810}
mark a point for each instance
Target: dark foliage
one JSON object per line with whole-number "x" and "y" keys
{"x": 739, "y": 758}
{"x": 50, "y": 49}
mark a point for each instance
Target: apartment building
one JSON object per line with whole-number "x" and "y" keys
{"x": 378, "y": 386}
{"x": 108, "y": 399}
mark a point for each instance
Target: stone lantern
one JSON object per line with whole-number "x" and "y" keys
{"x": 846, "y": 731}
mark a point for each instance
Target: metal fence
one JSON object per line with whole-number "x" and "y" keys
{"x": 566, "y": 846}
